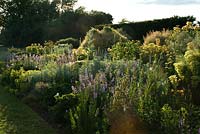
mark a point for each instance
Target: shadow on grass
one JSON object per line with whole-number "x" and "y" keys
{"x": 17, "y": 118}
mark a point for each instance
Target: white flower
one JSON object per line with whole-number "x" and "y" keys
{"x": 57, "y": 94}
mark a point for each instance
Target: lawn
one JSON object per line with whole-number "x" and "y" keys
{"x": 17, "y": 118}
{"x": 3, "y": 53}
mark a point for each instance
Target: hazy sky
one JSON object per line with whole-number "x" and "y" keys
{"x": 139, "y": 10}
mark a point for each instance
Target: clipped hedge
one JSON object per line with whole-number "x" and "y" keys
{"x": 137, "y": 30}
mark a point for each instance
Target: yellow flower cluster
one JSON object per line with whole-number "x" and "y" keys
{"x": 173, "y": 79}
{"x": 187, "y": 27}
{"x": 179, "y": 92}
{"x": 153, "y": 48}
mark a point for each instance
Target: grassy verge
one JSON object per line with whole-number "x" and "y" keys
{"x": 17, "y": 118}
{"x": 3, "y": 53}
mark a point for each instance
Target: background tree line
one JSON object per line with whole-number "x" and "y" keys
{"x": 23, "y": 22}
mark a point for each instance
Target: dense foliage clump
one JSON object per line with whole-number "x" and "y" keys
{"x": 97, "y": 42}
{"x": 157, "y": 37}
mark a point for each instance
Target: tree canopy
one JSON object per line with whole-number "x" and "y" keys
{"x": 23, "y": 20}
{"x": 34, "y": 21}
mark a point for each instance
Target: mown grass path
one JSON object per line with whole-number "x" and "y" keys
{"x": 17, "y": 118}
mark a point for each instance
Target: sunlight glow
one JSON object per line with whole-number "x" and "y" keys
{"x": 136, "y": 10}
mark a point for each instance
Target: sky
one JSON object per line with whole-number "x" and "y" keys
{"x": 140, "y": 10}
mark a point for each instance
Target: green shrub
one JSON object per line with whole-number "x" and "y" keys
{"x": 188, "y": 70}
{"x": 60, "y": 111}
{"x": 180, "y": 120}
{"x": 100, "y": 41}
{"x": 74, "y": 42}
{"x": 157, "y": 37}
{"x": 35, "y": 49}
{"x": 180, "y": 37}
{"x": 91, "y": 67}
{"x": 88, "y": 117}
{"x": 2, "y": 66}
{"x": 125, "y": 50}
{"x": 62, "y": 49}
{"x": 149, "y": 90}
{"x": 5, "y": 78}
{"x": 23, "y": 80}
{"x": 121, "y": 98}
{"x": 16, "y": 51}
{"x": 193, "y": 119}
{"x": 169, "y": 119}
{"x": 154, "y": 53}
{"x": 38, "y": 49}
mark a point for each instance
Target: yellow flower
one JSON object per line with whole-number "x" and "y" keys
{"x": 176, "y": 29}
{"x": 181, "y": 92}
{"x": 188, "y": 23}
{"x": 173, "y": 79}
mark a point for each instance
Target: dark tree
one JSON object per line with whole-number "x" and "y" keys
{"x": 64, "y": 5}
{"x": 101, "y": 17}
{"x": 23, "y": 20}
{"x": 34, "y": 21}
{"x": 2, "y": 12}
{"x": 75, "y": 23}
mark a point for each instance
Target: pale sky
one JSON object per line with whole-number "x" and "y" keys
{"x": 140, "y": 10}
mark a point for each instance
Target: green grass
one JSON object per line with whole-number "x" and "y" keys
{"x": 3, "y": 53}
{"x": 17, "y": 118}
